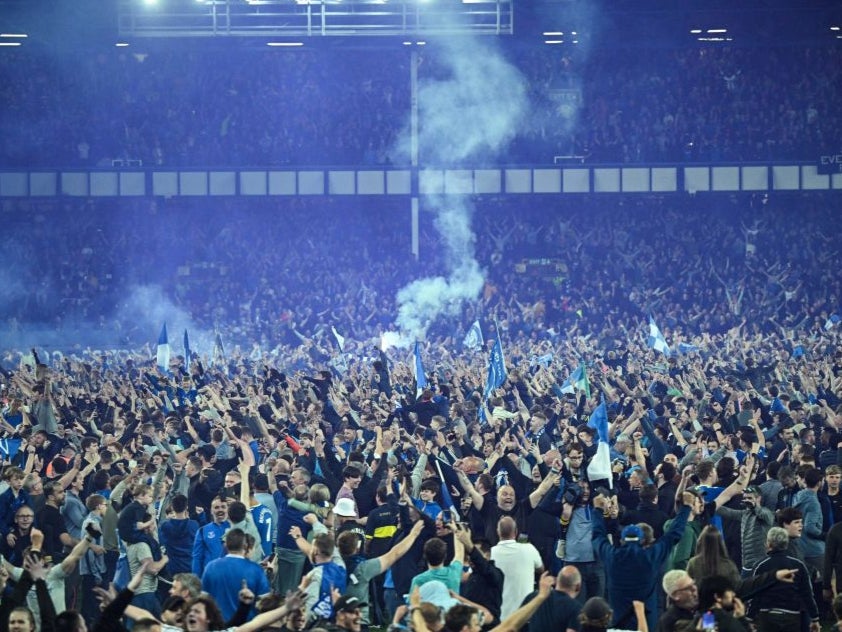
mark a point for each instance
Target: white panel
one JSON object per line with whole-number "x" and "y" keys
{"x": 430, "y": 182}
{"x": 42, "y": 184}
{"x": 370, "y": 183}
{"x": 105, "y": 183}
{"x": 755, "y": 178}
{"x": 74, "y": 183}
{"x": 725, "y": 179}
{"x": 606, "y": 180}
{"x": 282, "y": 183}
{"x": 696, "y": 179}
{"x": 311, "y": 183}
{"x": 836, "y": 180}
{"x": 576, "y": 181}
{"x": 811, "y": 179}
{"x": 664, "y": 179}
{"x": 341, "y": 182}
{"x": 546, "y": 180}
{"x": 785, "y": 178}
{"x": 165, "y": 183}
{"x": 14, "y": 184}
{"x": 458, "y": 181}
{"x": 132, "y": 183}
{"x": 223, "y": 183}
{"x": 487, "y": 181}
{"x": 635, "y": 180}
{"x": 252, "y": 183}
{"x": 518, "y": 180}
{"x": 193, "y": 182}
{"x": 398, "y": 182}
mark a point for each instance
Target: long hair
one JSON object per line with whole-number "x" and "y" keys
{"x": 711, "y": 552}
{"x": 215, "y": 619}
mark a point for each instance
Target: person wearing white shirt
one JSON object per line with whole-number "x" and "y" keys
{"x": 520, "y": 563}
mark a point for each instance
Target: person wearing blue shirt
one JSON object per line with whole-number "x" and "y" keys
{"x": 208, "y": 543}
{"x": 177, "y": 534}
{"x": 225, "y": 577}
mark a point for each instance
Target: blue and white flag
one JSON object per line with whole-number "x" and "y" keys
{"x": 831, "y": 322}
{"x": 9, "y": 448}
{"x": 496, "y": 369}
{"x": 577, "y": 381}
{"x": 186, "y": 352}
{"x": 340, "y": 340}
{"x": 543, "y": 360}
{"x": 656, "y": 339}
{"x": 473, "y": 339}
{"x": 447, "y": 499}
{"x": 600, "y": 466}
{"x": 163, "y": 350}
{"x": 418, "y": 368}
{"x": 685, "y": 347}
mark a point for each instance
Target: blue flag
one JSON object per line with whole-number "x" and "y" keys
{"x": 684, "y": 347}
{"x": 418, "y": 367}
{"x": 186, "y": 352}
{"x": 446, "y": 498}
{"x": 9, "y": 448}
{"x": 798, "y": 351}
{"x": 218, "y": 357}
{"x": 599, "y": 421}
{"x": 496, "y": 368}
{"x": 163, "y": 350}
{"x": 543, "y": 360}
{"x": 831, "y": 322}
{"x": 656, "y": 338}
{"x": 600, "y": 466}
{"x": 577, "y": 380}
{"x": 473, "y": 339}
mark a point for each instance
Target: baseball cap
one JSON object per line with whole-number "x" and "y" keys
{"x": 347, "y": 603}
{"x": 631, "y": 533}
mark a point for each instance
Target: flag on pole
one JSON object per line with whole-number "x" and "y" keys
{"x": 186, "y": 352}
{"x": 218, "y": 351}
{"x": 339, "y": 339}
{"x": 446, "y": 498}
{"x": 496, "y": 369}
{"x": 473, "y": 339}
{"x": 600, "y": 466}
{"x": 577, "y": 381}
{"x": 656, "y": 338}
{"x": 420, "y": 376}
{"x": 163, "y": 350}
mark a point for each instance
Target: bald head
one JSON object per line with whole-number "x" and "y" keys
{"x": 507, "y": 528}
{"x": 569, "y": 581}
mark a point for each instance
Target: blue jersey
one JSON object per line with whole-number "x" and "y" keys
{"x": 262, "y": 517}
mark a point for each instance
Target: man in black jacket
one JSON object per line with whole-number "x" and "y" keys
{"x": 485, "y": 583}
{"x": 779, "y": 608}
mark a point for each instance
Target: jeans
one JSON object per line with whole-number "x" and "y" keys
{"x": 593, "y": 580}
{"x": 290, "y": 569}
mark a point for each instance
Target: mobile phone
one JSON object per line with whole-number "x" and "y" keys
{"x": 445, "y": 516}
{"x": 708, "y": 621}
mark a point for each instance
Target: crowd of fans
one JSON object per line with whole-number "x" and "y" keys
{"x": 351, "y": 107}
{"x": 325, "y": 487}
